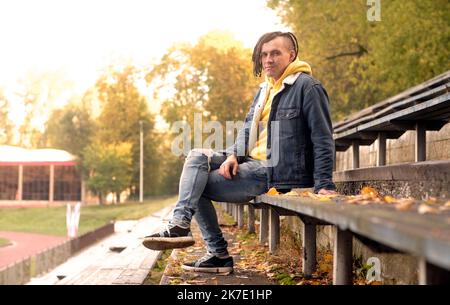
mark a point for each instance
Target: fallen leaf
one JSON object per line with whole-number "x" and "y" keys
{"x": 272, "y": 191}
{"x": 431, "y": 200}
{"x": 291, "y": 193}
{"x": 424, "y": 209}
{"x": 196, "y": 281}
{"x": 324, "y": 198}
{"x": 404, "y": 204}
{"x": 389, "y": 199}
{"x": 328, "y": 258}
{"x": 367, "y": 190}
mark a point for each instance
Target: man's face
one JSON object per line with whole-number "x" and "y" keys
{"x": 276, "y": 55}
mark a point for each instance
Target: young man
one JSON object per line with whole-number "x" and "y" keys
{"x": 286, "y": 143}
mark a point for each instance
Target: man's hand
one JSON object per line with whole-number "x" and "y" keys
{"x": 229, "y": 167}
{"x": 327, "y": 192}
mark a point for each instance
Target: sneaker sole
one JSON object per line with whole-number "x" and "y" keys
{"x": 208, "y": 269}
{"x": 164, "y": 243}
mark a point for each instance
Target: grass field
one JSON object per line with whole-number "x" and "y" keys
{"x": 52, "y": 220}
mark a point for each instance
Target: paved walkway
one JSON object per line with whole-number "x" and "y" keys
{"x": 118, "y": 259}
{"x": 24, "y": 245}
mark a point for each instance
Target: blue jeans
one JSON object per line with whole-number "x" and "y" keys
{"x": 200, "y": 183}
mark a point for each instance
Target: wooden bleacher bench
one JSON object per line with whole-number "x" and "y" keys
{"x": 423, "y": 107}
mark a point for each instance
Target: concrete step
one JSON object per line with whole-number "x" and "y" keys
{"x": 118, "y": 259}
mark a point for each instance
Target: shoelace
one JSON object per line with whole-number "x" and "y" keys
{"x": 207, "y": 256}
{"x": 167, "y": 229}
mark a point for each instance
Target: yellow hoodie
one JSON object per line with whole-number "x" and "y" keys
{"x": 258, "y": 152}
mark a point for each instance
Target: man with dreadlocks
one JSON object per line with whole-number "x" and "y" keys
{"x": 286, "y": 143}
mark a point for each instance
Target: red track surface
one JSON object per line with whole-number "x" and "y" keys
{"x": 25, "y": 244}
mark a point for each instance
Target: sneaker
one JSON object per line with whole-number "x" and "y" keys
{"x": 211, "y": 264}
{"x": 171, "y": 238}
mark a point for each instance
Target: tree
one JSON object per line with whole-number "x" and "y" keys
{"x": 107, "y": 168}
{"x": 38, "y": 93}
{"x": 6, "y": 127}
{"x": 360, "y": 62}
{"x": 123, "y": 107}
{"x": 213, "y": 77}
{"x": 70, "y": 128}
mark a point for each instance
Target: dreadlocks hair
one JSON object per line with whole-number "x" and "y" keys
{"x": 256, "y": 57}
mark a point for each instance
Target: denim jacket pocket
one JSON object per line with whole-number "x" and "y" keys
{"x": 288, "y": 113}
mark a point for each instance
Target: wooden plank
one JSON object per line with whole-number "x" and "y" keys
{"x": 425, "y": 110}
{"x": 274, "y": 230}
{"x": 381, "y": 151}
{"x": 402, "y": 104}
{"x": 131, "y": 277}
{"x": 355, "y": 150}
{"x": 309, "y": 249}
{"x": 414, "y": 92}
{"x": 102, "y": 277}
{"x": 342, "y": 258}
{"x": 430, "y": 274}
{"x": 420, "y": 142}
{"x": 228, "y": 208}
{"x": 264, "y": 225}
{"x": 251, "y": 219}
{"x": 420, "y": 235}
{"x": 240, "y": 215}
{"x": 234, "y": 211}
{"x": 78, "y": 279}
{"x": 150, "y": 260}
{"x": 439, "y": 102}
{"x": 397, "y": 172}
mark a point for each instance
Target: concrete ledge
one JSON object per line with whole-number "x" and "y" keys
{"x": 420, "y": 171}
{"x": 87, "y": 239}
{"x": 417, "y": 180}
{"x": 22, "y": 271}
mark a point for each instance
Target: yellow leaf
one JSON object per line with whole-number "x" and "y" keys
{"x": 272, "y": 191}
{"x": 390, "y": 199}
{"x": 291, "y": 193}
{"x": 324, "y": 198}
{"x": 305, "y": 193}
{"x": 425, "y": 209}
{"x": 431, "y": 200}
{"x": 367, "y": 190}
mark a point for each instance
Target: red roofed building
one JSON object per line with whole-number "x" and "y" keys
{"x": 38, "y": 176}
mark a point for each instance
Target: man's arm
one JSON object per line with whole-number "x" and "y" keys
{"x": 317, "y": 114}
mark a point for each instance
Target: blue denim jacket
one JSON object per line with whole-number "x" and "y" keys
{"x": 305, "y": 141}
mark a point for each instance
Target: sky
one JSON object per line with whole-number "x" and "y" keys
{"x": 80, "y": 37}
{"x": 75, "y": 39}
